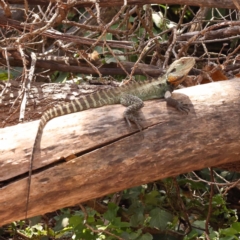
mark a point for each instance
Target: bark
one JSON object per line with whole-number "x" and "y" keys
{"x": 86, "y": 155}
{"x": 39, "y": 98}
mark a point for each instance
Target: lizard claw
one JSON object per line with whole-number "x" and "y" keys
{"x": 132, "y": 118}
{"x": 182, "y": 108}
{"x": 178, "y": 105}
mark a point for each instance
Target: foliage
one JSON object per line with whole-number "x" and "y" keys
{"x": 170, "y": 209}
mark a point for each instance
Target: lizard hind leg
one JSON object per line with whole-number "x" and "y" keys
{"x": 133, "y": 104}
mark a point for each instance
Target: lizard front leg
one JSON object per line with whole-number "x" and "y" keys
{"x": 133, "y": 104}
{"x": 174, "y": 103}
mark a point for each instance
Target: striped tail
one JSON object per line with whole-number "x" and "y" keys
{"x": 95, "y": 100}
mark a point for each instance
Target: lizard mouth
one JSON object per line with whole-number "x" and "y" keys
{"x": 175, "y": 80}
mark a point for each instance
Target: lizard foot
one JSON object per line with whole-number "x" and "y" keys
{"x": 178, "y": 105}
{"x": 130, "y": 117}
{"x": 182, "y": 108}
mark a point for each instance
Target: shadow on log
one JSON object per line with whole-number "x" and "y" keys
{"x": 87, "y": 155}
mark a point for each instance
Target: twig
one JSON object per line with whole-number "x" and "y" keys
{"x": 170, "y": 47}
{"x": 119, "y": 63}
{"x": 210, "y": 205}
{"x": 115, "y": 18}
{"x": 202, "y": 32}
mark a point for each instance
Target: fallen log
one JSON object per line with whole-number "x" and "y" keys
{"x": 86, "y": 155}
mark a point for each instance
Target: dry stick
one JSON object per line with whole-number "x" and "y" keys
{"x": 18, "y": 107}
{"x": 220, "y": 53}
{"x": 27, "y": 86}
{"x": 198, "y": 17}
{"x": 93, "y": 67}
{"x": 236, "y": 4}
{"x": 93, "y": 28}
{"x": 44, "y": 17}
{"x": 26, "y": 7}
{"x": 207, "y": 182}
{"x": 182, "y": 16}
{"x": 202, "y": 32}
{"x": 183, "y": 208}
{"x": 148, "y": 28}
{"x": 89, "y": 10}
{"x": 210, "y": 205}
{"x": 119, "y": 63}
{"x": 211, "y": 41}
{"x": 219, "y": 176}
{"x": 145, "y": 49}
{"x": 216, "y": 67}
{"x": 8, "y": 65}
{"x": 135, "y": 27}
{"x": 231, "y": 54}
{"x": 125, "y": 22}
{"x": 115, "y": 18}
{"x": 231, "y": 186}
{"x": 98, "y": 13}
{"x": 24, "y": 76}
{"x": 159, "y": 36}
{"x": 6, "y": 8}
{"x": 65, "y": 37}
{"x": 174, "y": 34}
{"x": 206, "y": 51}
{"x": 170, "y": 47}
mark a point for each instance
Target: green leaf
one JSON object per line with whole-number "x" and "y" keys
{"x": 111, "y": 213}
{"x": 218, "y": 199}
{"x": 110, "y": 59}
{"x": 146, "y": 236}
{"x": 61, "y": 222}
{"x": 192, "y": 235}
{"x": 229, "y": 231}
{"x": 109, "y": 36}
{"x": 4, "y": 75}
{"x": 227, "y": 238}
{"x": 236, "y": 226}
{"x": 194, "y": 185}
{"x": 199, "y": 224}
{"x": 133, "y": 193}
{"x": 137, "y": 219}
{"x": 62, "y": 77}
{"x": 160, "y": 218}
{"x": 152, "y": 197}
{"x": 118, "y": 223}
{"x": 82, "y": 233}
{"x": 76, "y": 220}
{"x": 131, "y": 235}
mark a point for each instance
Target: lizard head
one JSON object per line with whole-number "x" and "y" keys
{"x": 178, "y": 70}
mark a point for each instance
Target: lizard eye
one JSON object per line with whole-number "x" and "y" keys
{"x": 173, "y": 70}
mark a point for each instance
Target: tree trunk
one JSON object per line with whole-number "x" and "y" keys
{"x": 86, "y": 155}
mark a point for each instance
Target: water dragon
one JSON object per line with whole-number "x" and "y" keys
{"x": 130, "y": 95}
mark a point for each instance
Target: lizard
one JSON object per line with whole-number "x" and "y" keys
{"x": 130, "y": 95}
